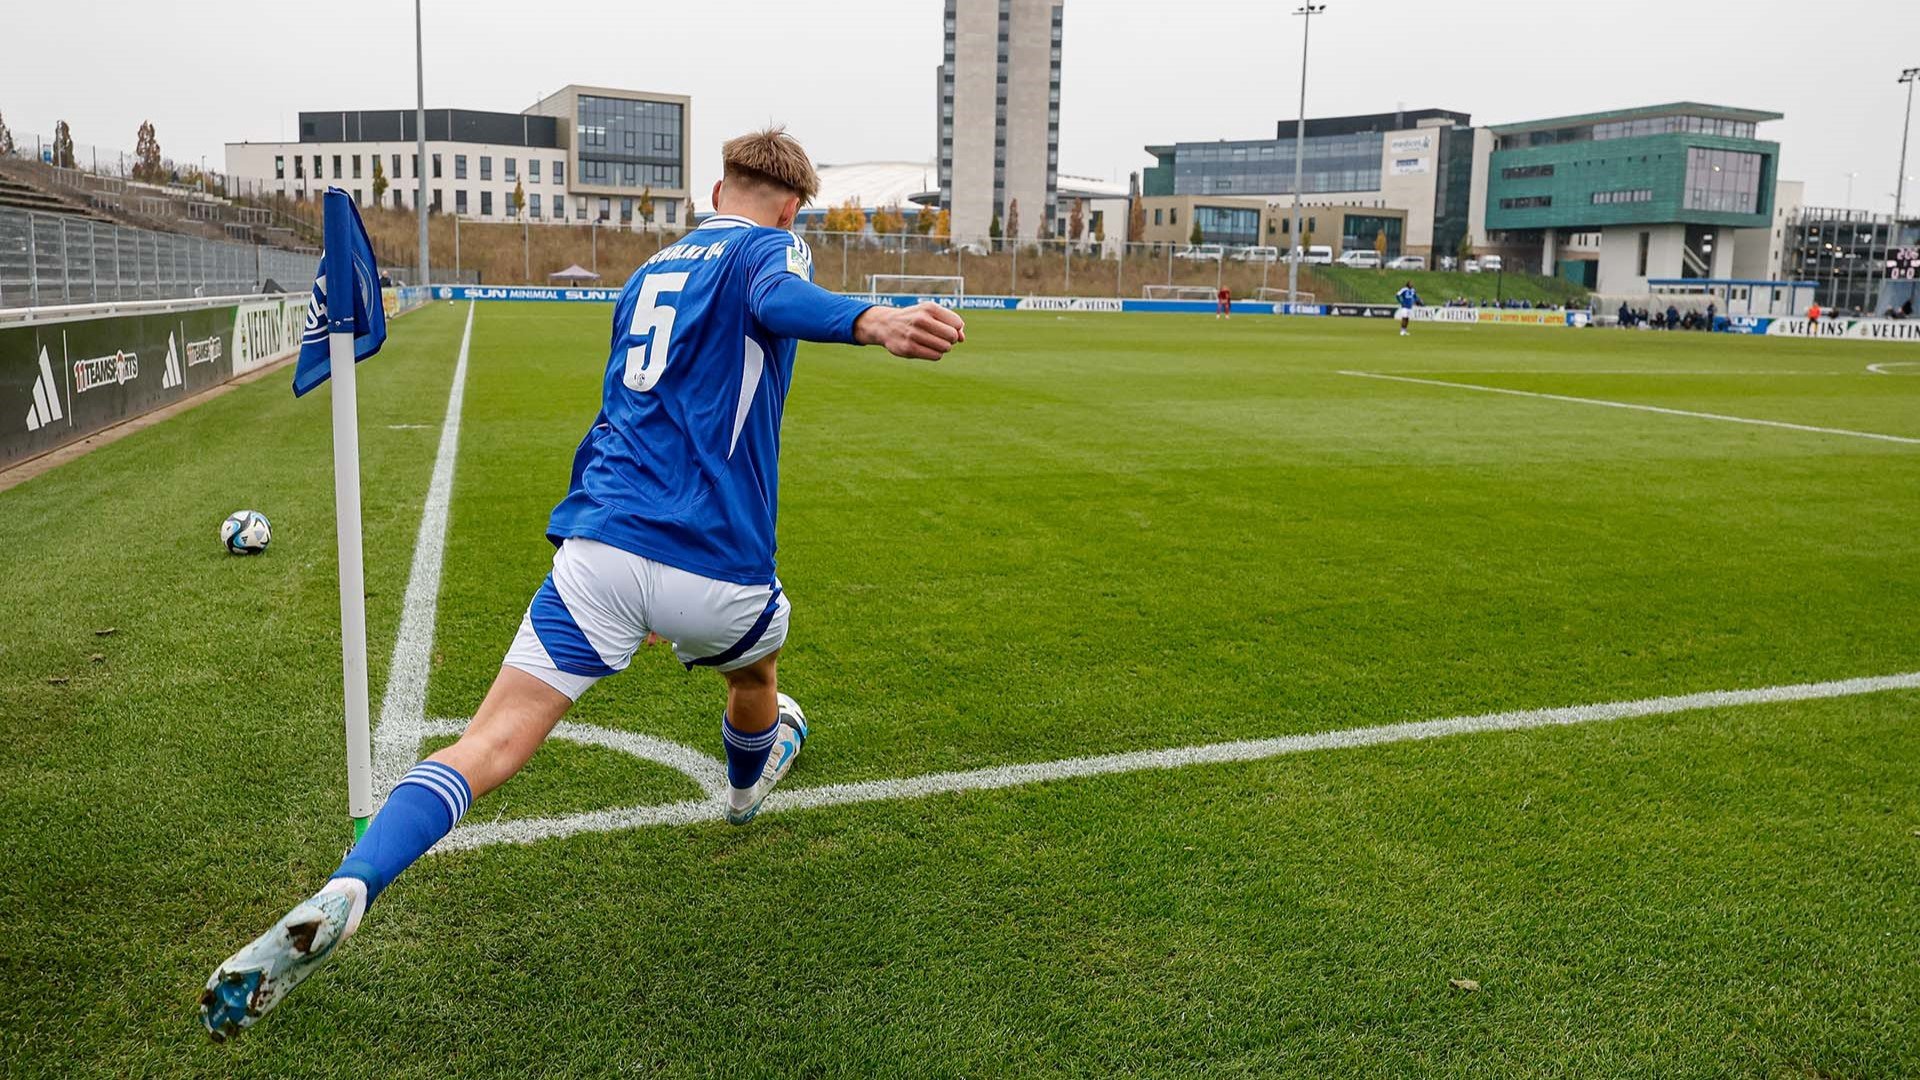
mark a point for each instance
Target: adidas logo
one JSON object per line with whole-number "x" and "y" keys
{"x": 46, "y": 396}
{"x": 170, "y": 378}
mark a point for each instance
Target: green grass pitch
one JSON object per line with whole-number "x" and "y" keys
{"x": 1080, "y": 535}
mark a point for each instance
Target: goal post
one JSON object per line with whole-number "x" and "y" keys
{"x": 1279, "y": 296}
{"x": 1179, "y": 292}
{"x": 917, "y": 284}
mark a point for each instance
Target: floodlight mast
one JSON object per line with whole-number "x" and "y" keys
{"x": 420, "y": 134}
{"x": 1909, "y": 77}
{"x": 1308, "y": 11}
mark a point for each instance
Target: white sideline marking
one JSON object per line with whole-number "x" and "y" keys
{"x": 690, "y": 812}
{"x": 1881, "y": 368}
{"x": 403, "y": 709}
{"x": 1640, "y": 408}
{"x": 1619, "y": 371}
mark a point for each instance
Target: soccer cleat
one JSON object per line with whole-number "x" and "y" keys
{"x": 254, "y": 980}
{"x": 792, "y": 725}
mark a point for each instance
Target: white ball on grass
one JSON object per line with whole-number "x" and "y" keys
{"x": 245, "y": 532}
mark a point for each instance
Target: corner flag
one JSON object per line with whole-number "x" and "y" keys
{"x": 349, "y": 275}
{"x": 346, "y": 324}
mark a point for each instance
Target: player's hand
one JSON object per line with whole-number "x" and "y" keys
{"x": 922, "y": 332}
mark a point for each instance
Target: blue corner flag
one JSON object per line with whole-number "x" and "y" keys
{"x": 350, "y": 277}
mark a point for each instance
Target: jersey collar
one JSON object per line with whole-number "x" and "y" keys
{"x": 729, "y": 221}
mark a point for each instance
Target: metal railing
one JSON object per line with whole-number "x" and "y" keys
{"x": 60, "y": 259}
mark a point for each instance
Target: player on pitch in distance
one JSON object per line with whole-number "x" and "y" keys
{"x": 1408, "y": 301}
{"x": 666, "y": 534}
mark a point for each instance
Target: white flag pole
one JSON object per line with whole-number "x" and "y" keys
{"x": 353, "y": 593}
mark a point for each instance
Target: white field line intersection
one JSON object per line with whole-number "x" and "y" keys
{"x": 526, "y": 830}
{"x": 403, "y": 723}
{"x": 1662, "y": 410}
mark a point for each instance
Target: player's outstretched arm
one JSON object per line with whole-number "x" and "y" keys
{"x": 924, "y": 331}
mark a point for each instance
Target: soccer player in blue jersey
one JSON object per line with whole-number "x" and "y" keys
{"x": 1408, "y": 301}
{"x": 666, "y": 534}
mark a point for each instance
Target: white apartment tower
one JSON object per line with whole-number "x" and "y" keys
{"x": 999, "y": 89}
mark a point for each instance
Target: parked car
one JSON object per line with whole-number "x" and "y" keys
{"x": 1256, "y": 254}
{"x": 1361, "y": 259}
{"x": 1408, "y": 262}
{"x": 1471, "y": 266}
{"x": 1448, "y": 262}
{"x": 1201, "y": 253}
{"x": 1316, "y": 255}
{"x": 1490, "y": 264}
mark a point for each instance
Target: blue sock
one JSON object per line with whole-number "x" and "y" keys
{"x": 424, "y": 806}
{"x": 746, "y": 754}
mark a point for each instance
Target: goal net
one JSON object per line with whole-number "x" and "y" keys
{"x": 1279, "y": 296}
{"x": 1179, "y": 292}
{"x": 917, "y": 284}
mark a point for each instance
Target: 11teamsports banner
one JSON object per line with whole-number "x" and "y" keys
{"x": 61, "y": 381}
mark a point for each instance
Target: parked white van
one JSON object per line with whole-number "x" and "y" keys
{"x": 1361, "y": 259}
{"x": 1490, "y": 264}
{"x": 1317, "y": 255}
{"x": 1256, "y": 254}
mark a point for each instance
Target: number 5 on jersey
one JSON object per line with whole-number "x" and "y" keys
{"x": 647, "y": 361}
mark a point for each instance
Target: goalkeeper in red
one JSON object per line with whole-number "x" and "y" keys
{"x": 666, "y": 533}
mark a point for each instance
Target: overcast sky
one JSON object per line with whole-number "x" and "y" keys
{"x": 854, "y": 79}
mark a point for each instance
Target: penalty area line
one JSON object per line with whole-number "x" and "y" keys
{"x": 694, "y": 811}
{"x": 1662, "y": 410}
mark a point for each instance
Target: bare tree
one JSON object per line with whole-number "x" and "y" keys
{"x": 146, "y": 155}
{"x": 63, "y": 145}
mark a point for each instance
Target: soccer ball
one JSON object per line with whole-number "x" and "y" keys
{"x": 246, "y": 533}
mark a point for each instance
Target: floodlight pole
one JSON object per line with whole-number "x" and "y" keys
{"x": 1308, "y": 10}
{"x": 1909, "y": 77}
{"x": 420, "y": 136}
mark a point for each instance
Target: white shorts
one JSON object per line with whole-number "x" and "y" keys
{"x": 600, "y": 603}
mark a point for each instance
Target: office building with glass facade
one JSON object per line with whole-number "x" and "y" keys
{"x": 1668, "y": 189}
{"x": 582, "y": 154}
{"x": 1415, "y": 161}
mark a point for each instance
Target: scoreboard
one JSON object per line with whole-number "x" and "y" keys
{"x": 1903, "y": 264}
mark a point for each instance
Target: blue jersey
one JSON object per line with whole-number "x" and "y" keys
{"x": 682, "y": 465}
{"x": 1408, "y": 298}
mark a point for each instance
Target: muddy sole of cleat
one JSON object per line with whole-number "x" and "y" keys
{"x": 227, "y": 1006}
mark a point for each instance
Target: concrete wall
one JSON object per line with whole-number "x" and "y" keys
{"x": 1029, "y": 75}
{"x": 1620, "y": 256}
{"x": 975, "y": 55}
{"x": 1477, "y": 204}
{"x": 1409, "y": 172}
{"x": 1760, "y": 254}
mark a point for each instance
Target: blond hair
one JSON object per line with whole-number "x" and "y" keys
{"x": 771, "y": 157}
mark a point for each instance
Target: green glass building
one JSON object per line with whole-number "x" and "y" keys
{"x": 1666, "y": 188}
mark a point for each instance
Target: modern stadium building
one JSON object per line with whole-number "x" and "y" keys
{"x": 1611, "y": 199}
{"x": 1662, "y": 192}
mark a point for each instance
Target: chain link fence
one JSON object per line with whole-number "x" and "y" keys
{"x": 48, "y": 259}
